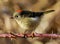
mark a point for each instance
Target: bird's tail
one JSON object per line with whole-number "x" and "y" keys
{"x": 49, "y": 11}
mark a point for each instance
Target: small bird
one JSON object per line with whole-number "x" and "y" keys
{"x": 28, "y": 20}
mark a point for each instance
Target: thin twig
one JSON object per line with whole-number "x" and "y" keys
{"x": 11, "y": 35}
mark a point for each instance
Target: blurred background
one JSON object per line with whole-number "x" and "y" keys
{"x": 7, "y": 24}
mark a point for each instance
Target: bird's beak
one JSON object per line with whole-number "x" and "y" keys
{"x": 12, "y": 17}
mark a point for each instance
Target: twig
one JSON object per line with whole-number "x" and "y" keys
{"x": 11, "y": 35}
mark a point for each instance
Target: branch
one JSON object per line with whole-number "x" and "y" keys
{"x": 11, "y": 35}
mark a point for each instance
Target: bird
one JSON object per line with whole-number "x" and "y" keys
{"x": 28, "y": 20}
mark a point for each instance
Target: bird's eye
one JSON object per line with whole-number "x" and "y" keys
{"x": 16, "y": 16}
